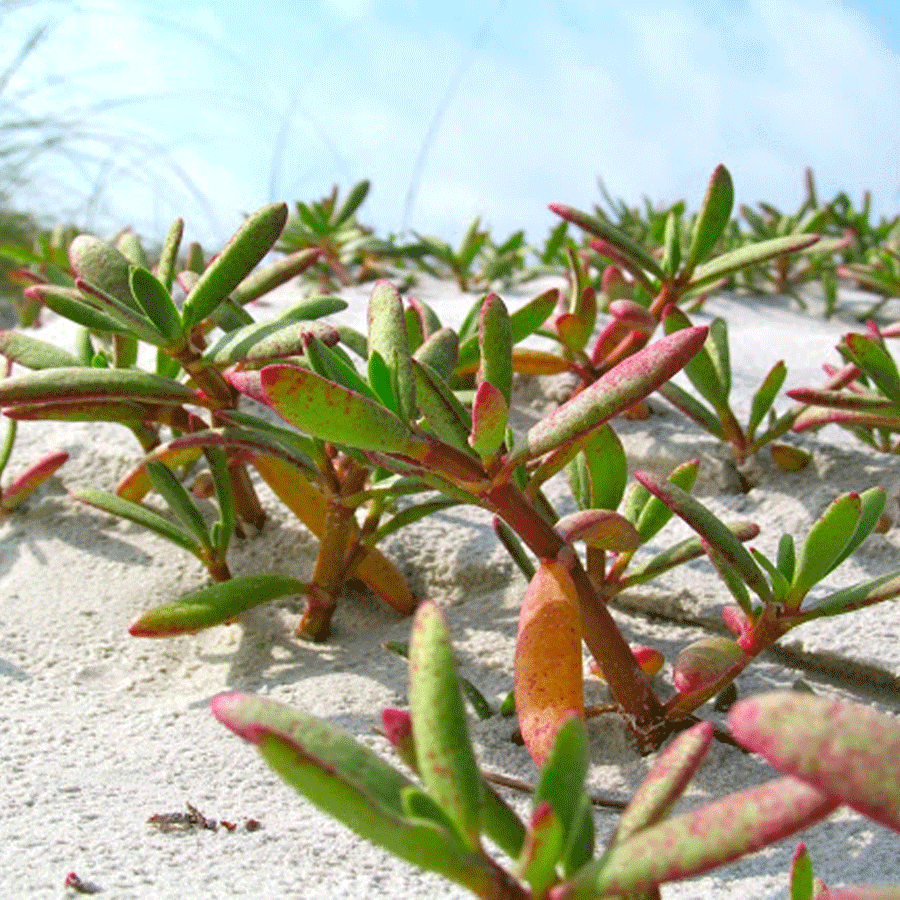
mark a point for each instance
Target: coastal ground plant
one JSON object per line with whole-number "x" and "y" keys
{"x": 830, "y": 754}
{"x": 184, "y": 411}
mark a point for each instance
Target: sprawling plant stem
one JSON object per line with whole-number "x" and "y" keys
{"x": 334, "y": 561}
{"x": 627, "y": 682}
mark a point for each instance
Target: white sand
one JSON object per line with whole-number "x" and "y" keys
{"x": 101, "y": 731}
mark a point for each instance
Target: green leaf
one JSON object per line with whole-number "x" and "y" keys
{"x": 213, "y": 605}
{"x": 765, "y": 397}
{"x": 350, "y": 783}
{"x": 544, "y": 845}
{"x": 747, "y": 256}
{"x": 489, "y": 417}
{"x": 693, "y": 409}
{"x": 845, "y": 750}
{"x": 157, "y": 304}
{"x": 703, "y": 839}
{"x": 333, "y": 413}
{"x": 715, "y": 212}
{"x": 702, "y": 370}
{"x": 178, "y": 500}
{"x": 389, "y": 341}
{"x": 69, "y": 303}
{"x": 440, "y": 351}
{"x": 653, "y": 513}
{"x": 872, "y": 503}
{"x": 443, "y": 748}
{"x": 867, "y": 593}
{"x": 599, "y": 472}
{"x": 629, "y": 248}
{"x": 801, "y": 874}
{"x": 824, "y": 544}
{"x": 348, "y": 208}
{"x": 32, "y": 353}
{"x": 561, "y": 783}
{"x": 446, "y": 416}
{"x": 876, "y": 363}
{"x": 617, "y": 390}
{"x": 314, "y": 307}
{"x": 138, "y": 514}
{"x": 103, "y": 267}
{"x": 168, "y": 256}
{"x": 495, "y": 346}
{"x": 665, "y": 782}
{"x": 672, "y": 245}
{"x": 267, "y": 340}
{"x": 713, "y": 529}
{"x": 223, "y": 529}
{"x": 335, "y": 365}
{"x": 247, "y": 247}
{"x": 84, "y": 383}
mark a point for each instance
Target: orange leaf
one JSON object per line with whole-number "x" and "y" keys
{"x": 548, "y": 667}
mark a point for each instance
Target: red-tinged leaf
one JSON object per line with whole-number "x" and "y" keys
{"x": 444, "y": 751}
{"x": 397, "y": 725}
{"x": 648, "y": 658}
{"x": 544, "y": 845}
{"x": 28, "y": 481}
{"x": 495, "y": 343}
{"x": 711, "y": 528}
{"x": 250, "y": 243}
{"x": 489, "y": 417}
{"x": 702, "y": 664}
{"x": 862, "y": 892}
{"x": 705, "y": 838}
{"x": 863, "y": 403}
{"x": 632, "y": 315}
{"x": 846, "y": 750}
{"x": 715, "y": 211}
{"x": 214, "y": 605}
{"x": 126, "y": 413}
{"x": 666, "y": 781}
{"x": 263, "y": 341}
{"x": 601, "y": 528}
{"x": 32, "y": 353}
{"x": 619, "y": 389}
{"x": 136, "y": 484}
{"x": 614, "y": 285}
{"x": 572, "y": 332}
{"x": 548, "y": 664}
{"x": 801, "y": 874}
{"x": 333, "y": 413}
{"x": 81, "y": 383}
{"x": 876, "y": 363}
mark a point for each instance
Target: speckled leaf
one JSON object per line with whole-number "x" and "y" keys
{"x": 214, "y": 605}
{"x": 440, "y": 351}
{"x": 703, "y": 839}
{"x": 33, "y": 353}
{"x": 350, "y": 783}
{"x": 711, "y": 528}
{"x": 389, "y": 341}
{"x": 443, "y": 748}
{"x": 267, "y": 340}
{"x": 715, "y": 212}
{"x": 333, "y": 413}
{"x": 845, "y": 750}
{"x": 448, "y": 418}
{"x": 495, "y": 346}
{"x": 279, "y": 272}
{"x": 544, "y": 845}
{"x": 85, "y": 383}
{"x": 100, "y": 264}
{"x": 548, "y": 664}
{"x": 620, "y": 388}
{"x": 601, "y": 528}
{"x": 666, "y": 781}
{"x": 703, "y": 663}
{"x": 489, "y": 417}
{"x": 250, "y": 243}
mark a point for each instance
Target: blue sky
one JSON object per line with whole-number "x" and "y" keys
{"x": 493, "y": 108}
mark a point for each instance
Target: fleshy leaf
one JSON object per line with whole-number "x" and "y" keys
{"x": 666, "y": 781}
{"x": 250, "y": 243}
{"x": 544, "y": 844}
{"x": 214, "y": 605}
{"x": 846, "y": 750}
{"x": 267, "y": 340}
{"x": 703, "y": 839}
{"x": 615, "y": 391}
{"x": 876, "y": 363}
{"x": 765, "y": 396}
{"x": 389, "y": 341}
{"x": 824, "y": 544}
{"x": 703, "y": 663}
{"x": 495, "y": 346}
{"x": 443, "y": 748}
{"x": 598, "y": 474}
{"x": 448, "y": 418}
{"x": 157, "y": 304}
{"x": 333, "y": 413}
{"x": 548, "y": 666}
{"x": 489, "y": 418}
{"x": 33, "y": 353}
{"x": 350, "y": 783}
{"x": 272, "y": 276}
{"x": 715, "y": 211}
{"x": 29, "y": 480}
{"x": 601, "y": 528}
